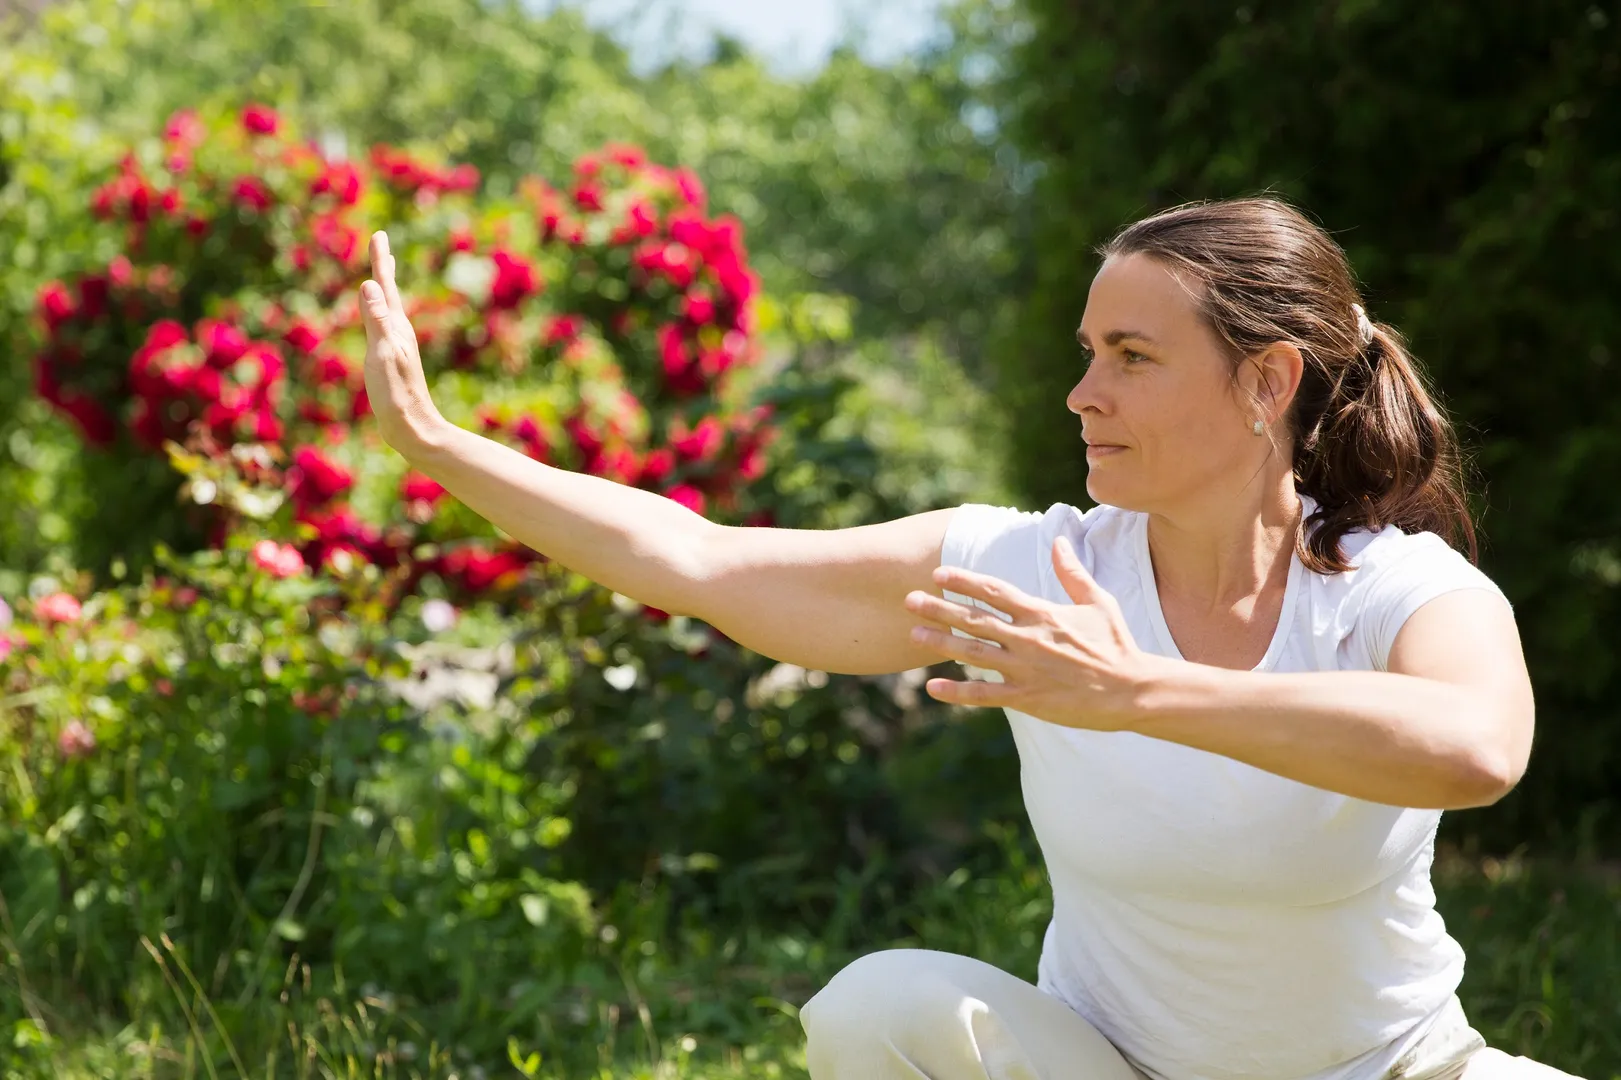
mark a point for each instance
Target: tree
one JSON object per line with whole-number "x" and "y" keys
{"x": 1467, "y": 159}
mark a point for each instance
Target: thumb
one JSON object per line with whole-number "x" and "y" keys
{"x": 1077, "y": 581}
{"x": 373, "y": 310}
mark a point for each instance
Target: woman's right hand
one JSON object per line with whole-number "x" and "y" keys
{"x": 395, "y": 383}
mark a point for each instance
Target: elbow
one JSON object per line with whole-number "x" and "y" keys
{"x": 1490, "y": 777}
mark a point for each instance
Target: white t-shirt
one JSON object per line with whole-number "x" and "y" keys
{"x": 1213, "y": 920}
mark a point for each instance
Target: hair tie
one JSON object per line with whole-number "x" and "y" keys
{"x": 1364, "y": 326}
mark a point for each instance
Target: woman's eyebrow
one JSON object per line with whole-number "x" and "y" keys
{"x": 1115, "y": 337}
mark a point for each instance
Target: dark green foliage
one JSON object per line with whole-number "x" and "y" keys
{"x": 1467, "y": 157}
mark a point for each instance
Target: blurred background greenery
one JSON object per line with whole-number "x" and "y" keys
{"x": 567, "y": 877}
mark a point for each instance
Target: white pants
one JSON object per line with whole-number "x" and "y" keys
{"x": 918, "y": 1014}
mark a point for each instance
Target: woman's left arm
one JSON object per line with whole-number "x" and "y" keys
{"x": 1448, "y": 726}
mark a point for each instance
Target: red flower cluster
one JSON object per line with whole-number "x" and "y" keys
{"x": 409, "y": 176}
{"x": 266, "y": 348}
{"x": 214, "y": 376}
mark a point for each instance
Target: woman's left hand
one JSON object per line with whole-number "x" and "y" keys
{"x": 1073, "y": 665}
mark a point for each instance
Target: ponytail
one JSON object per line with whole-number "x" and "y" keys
{"x": 1381, "y": 453}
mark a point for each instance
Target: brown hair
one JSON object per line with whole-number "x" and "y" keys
{"x": 1371, "y": 445}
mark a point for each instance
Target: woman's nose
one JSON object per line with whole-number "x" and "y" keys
{"x": 1084, "y": 395}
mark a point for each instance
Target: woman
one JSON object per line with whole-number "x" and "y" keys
{"x": 1244, "y": 686}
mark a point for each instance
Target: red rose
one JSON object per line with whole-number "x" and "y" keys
{"x": 223, "y": 343}
{"x": 702, "y": 443}
{"x": 687, "y": 496}
{"x": 93, "y": 294}
{"x": 514, "y": 279}
{"x": 250, "y": 193}
{"x": 417, "y": 486}
{"x": 302, "y": 336}
{"x": 260, "y": 119}
{"x": 341, "y": 180}
{"x": 317, "y": 478}
{"x": 658, "y": 465}
{"x": 55, "y": 305}
{"x": 563, "y": 329}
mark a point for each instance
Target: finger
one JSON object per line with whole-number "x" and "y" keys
{"x": 986, "y": 695}
{"x": 964, "y": 650}
{"x": 975, "y": 620}
{"x": 1000, "y": 594}
{"x": 1073, "y": 574}
{"x": 382, "y": 268}
{"x": 373, "y": 311}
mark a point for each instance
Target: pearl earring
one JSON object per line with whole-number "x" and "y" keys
{"x": 1257, "y": 427}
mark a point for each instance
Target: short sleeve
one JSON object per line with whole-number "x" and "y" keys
{"x": 1000, "y": 541}
{"x": 1425, "y": 568}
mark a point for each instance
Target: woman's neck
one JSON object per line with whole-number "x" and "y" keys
{"x": 1216, "y": 555}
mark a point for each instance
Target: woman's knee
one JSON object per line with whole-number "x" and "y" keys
{"x": 891, "y": 994}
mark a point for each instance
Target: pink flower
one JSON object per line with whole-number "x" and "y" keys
{"x": 698, "y": 308}
{"x": 75, "y": 740}
{"x": 691, "y": 188}
{"x": 631, "y": 157}
{"x": 687, "y": 496}
{"x": 223, "y": 342}
{"x": 184, "y": 128}
{"x": 278, "y": 560}
{"x": 260, "y": 119}
{"x": 55, "y": 304}
{"x": 6, "y": 645}
{"x": 58, "y": 607}
{"x": 5, "y": 615}
{"x": 463, "y": 177}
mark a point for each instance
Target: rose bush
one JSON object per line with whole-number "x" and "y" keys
{"x": 337, "y": 628}
{"x": 600, "y": 327}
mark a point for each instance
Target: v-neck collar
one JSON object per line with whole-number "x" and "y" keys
{"x": 1156, "y": 613}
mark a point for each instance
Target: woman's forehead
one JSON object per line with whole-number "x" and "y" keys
{"x": 1137, "y": 294}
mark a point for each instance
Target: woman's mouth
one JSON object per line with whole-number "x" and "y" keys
{"x": 1097, "y": 450}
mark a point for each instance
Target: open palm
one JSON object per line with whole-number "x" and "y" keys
{"x": 395, "y": 383}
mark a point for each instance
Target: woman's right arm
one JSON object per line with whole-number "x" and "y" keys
{"x": 830, "y": 600}
{"x": 827, "y": 599}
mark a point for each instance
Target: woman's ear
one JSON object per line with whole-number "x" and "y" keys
{"x": 1272, "y": 376}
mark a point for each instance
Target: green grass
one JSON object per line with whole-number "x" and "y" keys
{"x": 1544, "y": 966}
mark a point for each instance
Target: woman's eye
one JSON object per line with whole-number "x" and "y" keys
{"x": 1133, "y": 356}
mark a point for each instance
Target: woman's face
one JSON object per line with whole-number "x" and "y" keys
{"x": 1164, "y": 424}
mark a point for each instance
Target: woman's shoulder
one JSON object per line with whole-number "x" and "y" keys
{"x": 1015, "y": 544}
{"x": 1392, "y": 574}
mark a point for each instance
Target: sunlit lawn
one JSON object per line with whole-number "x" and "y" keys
{"x": 1543, "y": 975}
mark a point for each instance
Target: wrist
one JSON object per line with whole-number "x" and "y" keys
{"x": 1159, "y": 683}
{"x": 420, "y": 438}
